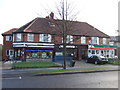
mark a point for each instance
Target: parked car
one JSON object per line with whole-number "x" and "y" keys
{"x": 97, "y": 60}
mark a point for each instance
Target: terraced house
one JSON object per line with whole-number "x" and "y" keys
{"x": 41, "y": 38}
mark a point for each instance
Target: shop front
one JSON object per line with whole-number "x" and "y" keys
{"x": 38, "y": 53}
{"x": 31, "y": 51}
{"x": 101, "y": 50}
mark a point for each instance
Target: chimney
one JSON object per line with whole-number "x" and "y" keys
{"x": 51, "y": 15}
{"x": 47, "y": 16}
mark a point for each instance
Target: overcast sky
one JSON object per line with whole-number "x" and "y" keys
{"x": 102, "y": 14}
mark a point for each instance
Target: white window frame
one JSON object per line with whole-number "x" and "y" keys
{"x": 104, "y": 41}
{"x": 18, "y": 37}
{"x": 30, "y": 37}
{"x": 94, "y": 40}
{"x": 69, "y": 39}
{"x": 8, "y": 52}
{"x": 45, "y": 37}
{"x": 83, "y": 40}
{"x": 8, "y": 38}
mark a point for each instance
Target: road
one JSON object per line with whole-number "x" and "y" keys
{"x": 81, "y": 80}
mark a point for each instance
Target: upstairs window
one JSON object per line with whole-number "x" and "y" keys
{"x": 69, "y": 39}
{"x": 94, "y": 40}
{"x": 83, "y": 40}
{"x": 19, "y": 37}
{"x": 45, "y": 38}
{"x": 104, "y": 40}
{"x": 30, "y": 37}
{"x": 8, "y": 38}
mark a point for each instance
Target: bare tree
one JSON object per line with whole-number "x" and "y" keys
{"x": 65, "y": 25}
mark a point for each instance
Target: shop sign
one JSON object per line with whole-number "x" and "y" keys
{"x": 61, "y": 46}
{"x": 101, "y": 47}
{"x": 44, "y": 45}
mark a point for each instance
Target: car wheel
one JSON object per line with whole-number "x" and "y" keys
{"x": 96, "y": 62}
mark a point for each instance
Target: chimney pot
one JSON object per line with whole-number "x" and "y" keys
{"x": 52, "y": 15}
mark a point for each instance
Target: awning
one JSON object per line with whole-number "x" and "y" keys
{"x": 102, "y": 48}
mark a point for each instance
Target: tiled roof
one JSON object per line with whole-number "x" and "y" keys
{"x": 115, "y": 38}
{"x": 45, "y": 25}
{"x": 9, "y": 32}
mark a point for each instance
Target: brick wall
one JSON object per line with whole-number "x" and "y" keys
{"x": 101, "y": 41}
{"x": 57, "y": 39}
{"x": 76, "y": 40}
{"x": 7, "y": 45}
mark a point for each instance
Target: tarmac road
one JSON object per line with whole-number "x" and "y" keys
{"x": 81, "y": 80}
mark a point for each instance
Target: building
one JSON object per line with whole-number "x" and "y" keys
{"x": 115, "y": 40}
{"x": 42, "y": 38}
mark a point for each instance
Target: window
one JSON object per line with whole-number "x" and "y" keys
{"x": 18, "y": 37}
{"x": 45, "y": 37}
{"x": 30, "y": 37}
{"x": 97, "y": 51}
{"x": 95, "y": 40}
{"x": 8, "y": 38}
{"x": 89, "y": 51}
{"x": 102, "y": 53}
{"x": 9, "y": 52}
{"x": 83, "y": 40}
{"x": 69, "y": 39}
{"x": 93, "y": 51}
{"x": 104, "y": 40}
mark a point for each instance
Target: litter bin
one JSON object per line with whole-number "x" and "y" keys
{"x": 73, "y": 63}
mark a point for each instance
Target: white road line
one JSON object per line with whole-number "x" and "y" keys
{"x": 13, "y": 77}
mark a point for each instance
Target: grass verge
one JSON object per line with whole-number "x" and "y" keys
{"x": 0, "y": 50}
{"x": 34, "y": 64}
{"x": 114, "y": 61}
{"x": 71, "y": 70}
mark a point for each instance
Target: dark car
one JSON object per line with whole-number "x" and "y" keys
{"x": 97, "y": 59}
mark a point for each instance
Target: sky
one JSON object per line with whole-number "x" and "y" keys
{"x": 101, "y": 14}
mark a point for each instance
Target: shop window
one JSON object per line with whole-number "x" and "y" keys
{"x": 89, "y": 51}
{"x": 83, "y": 40}
{"x": 18, "y": 37}
{"x": 19, "y": 52}
{"x": 38, "y": 54}
{"x": 93, "y": 51}
{"x": 30, "y": 37}
{"x": 45, "y": 37}
{"x": 111, "y": 53}
{"x": 97, "y": 51}
{"x": 102, "y": 52}
{"x": 107, "y": 53}
{"x": 8, "y": 38}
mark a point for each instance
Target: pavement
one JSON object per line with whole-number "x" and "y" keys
{"x": 6, "y": 69}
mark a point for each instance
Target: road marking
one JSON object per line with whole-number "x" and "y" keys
{"x": 13, "y": 77}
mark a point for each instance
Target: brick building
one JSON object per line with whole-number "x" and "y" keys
{"x": 42, "y": 38}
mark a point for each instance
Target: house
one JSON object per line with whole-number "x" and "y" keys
{"x": 115, "y": 40}
{"x": 42, "y": 38}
